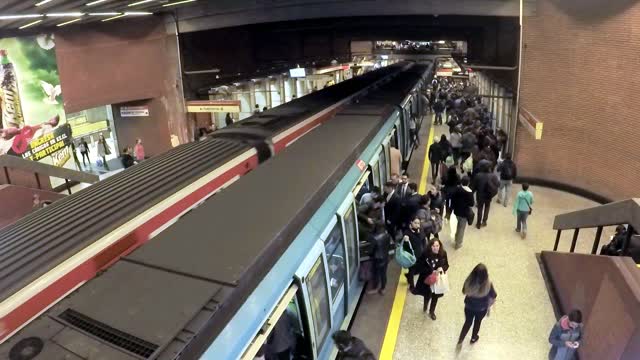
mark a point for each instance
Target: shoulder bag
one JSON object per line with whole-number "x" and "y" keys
{"x": 529, "y": 205}
{"x": 404, "y": 258}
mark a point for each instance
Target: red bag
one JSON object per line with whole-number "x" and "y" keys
{"x": 431, "y": 279}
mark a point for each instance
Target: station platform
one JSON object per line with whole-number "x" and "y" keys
{"x": 394, "y": 326}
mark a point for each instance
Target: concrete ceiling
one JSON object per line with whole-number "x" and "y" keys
{"x": 10, "y": 23}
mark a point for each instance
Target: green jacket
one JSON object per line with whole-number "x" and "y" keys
{"x": 521, "y": 201}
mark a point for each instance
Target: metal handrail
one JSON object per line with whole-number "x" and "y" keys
{"x": 37, "y": 169}
{"x": 615, "y": 213}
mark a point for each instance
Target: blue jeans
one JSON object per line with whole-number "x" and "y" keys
{"x": 522, "y": 220}
{"x": 504, "y": 191}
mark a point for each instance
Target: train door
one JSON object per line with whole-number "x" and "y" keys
{"x": 374, "y": 166}
{"x": 334, "y": 247}
{"x": 314, "y": 280}
{"x": 287, "y": 324}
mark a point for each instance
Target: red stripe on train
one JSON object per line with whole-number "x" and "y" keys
{"x": 282, "y": 144}
{"x": 124, "y": 246}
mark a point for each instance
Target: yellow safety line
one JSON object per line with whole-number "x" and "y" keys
{"x": 393, "y": 326}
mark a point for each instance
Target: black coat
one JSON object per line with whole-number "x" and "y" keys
{"x": 381, "y": 243}
{"x": 392, "y": 209}
{"x": 435, "y": 153}
{"x": 417, "y": 240}
{"x": 461, "y": 201}
{"x": 127, "y": 161}
{"x": 508, "y": 170}
{"x": 480, "y": 186}
{"x": 424, "y": 268}
{"x": 410, "y": 206}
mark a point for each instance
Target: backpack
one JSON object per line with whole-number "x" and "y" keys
{"x": 404, "y": 258}
{"x": 493, "y": 184}
{"x": 507, "y": 170}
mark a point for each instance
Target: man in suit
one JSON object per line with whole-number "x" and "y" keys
{"x": 391, "y": 208}
{"x": 410, "y": 204}
{"x": 403, "y": 186}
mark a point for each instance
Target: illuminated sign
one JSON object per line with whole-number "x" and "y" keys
{"x": 134, "y": 111}
{"x": 332, "y": 68}
{"x": 531, "y": 123}
{"x": 298, "y": 72}
{"x": 213, "y": 106}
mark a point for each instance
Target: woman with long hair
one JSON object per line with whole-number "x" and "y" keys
{"x": 433, "y": 261}
{"x": 479, "y": 296}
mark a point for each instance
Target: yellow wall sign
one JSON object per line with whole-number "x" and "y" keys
{"x": 531, "y": 123}
{"x": 213, "y": 106}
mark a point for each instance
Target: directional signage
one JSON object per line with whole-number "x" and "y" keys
{"x": 213, "y": 106}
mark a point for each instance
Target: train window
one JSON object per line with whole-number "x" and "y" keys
{"x": 318, "y": 296}
{"x": 334, "y": 247}
{"x": 351, "y": 233}
{"x": 375, "y": 173}
{"x": 394, "y": 137}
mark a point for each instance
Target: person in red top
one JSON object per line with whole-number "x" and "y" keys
{"x": 138, "y": 150}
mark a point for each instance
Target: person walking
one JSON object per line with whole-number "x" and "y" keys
{"x": 432, "y": 262}
{"x": 508, "y": 171}
{"x": 479, "y": 297}
{"x": 438, "y": 108}
{"x": 522, "y": 209}
{"x": 380, "y": 250}
{"x": 75, "y": 155}
{"x": 84, "y": 151}
{"x": 485, "y": 184}
{"x": 450, "y": 182}
{"x": 435, "y": 157}
{"x": 455, "y": 138}
{"x": 392, "y": 208}
{"x": 416, "y": 238}
{"x": 566, "y": 337}
{"x": 462, "y": 202}
{"x": 103, "y": 151}
{"x": 138, "y": 150}
{"x": 228, "y": 120}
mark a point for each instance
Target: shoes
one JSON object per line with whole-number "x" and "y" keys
{"x": 432, "y": 316}
{"x": 484, "y": 224}
{"x": 381, "y": 291}
{"x": 474, "y": 339}
{"x": 371, "y": 292}
{"x": 456, "y": 246}
{"x": 478, "y": 226}
{"x": 523, "y": 234}
{"x": 498, "y": 201}
{"x": 517, "y": 230}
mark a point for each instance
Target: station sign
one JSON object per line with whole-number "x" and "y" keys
{"x": 134, "y": 111}
{"x": 332, "y": 68}
{"x": 213, "y": 106}
{"x": 531, "y": 123}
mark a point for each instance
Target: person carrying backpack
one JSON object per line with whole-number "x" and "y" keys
{"x": 350, "y": 347}
{"x": 508, "y": 172}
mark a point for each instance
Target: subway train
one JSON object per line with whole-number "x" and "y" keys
{"x": 280, "y": 245}
{"x": 49, "y": 253}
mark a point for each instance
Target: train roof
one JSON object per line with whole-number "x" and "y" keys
{"x": 193, "y": 277}
{"x": 44, "y": 239}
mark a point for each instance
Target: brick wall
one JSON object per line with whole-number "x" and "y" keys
{"x": 580, "y": 77}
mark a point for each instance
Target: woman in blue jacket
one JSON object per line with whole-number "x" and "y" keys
{"x": 566, "y": 336}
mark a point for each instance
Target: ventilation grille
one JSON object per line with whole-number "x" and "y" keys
{"x": 105, "y": 332}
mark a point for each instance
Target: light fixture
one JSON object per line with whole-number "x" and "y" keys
{"x": 139, "y": 2}
{"x": 178, "y": 3}
{"x": 30, "y": 24}
{"x": 104, "y": 14}
{"x": 115, "y": 17}
{"x": 77, "y": 14}
{"x": 138, "y": 13}
{"x": 43, "y": 2}
{"x": 68, "y": 22}
{"x": 11, "y": 17}
{"x": 95, "y": 2}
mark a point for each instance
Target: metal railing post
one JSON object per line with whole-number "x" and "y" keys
{"x": 575, "y": 240}
{"x": 38, "y": 181}
{"x": 596, "y": 241}
{"x": 555, "y": 246}
{"x": 6, "y": 174}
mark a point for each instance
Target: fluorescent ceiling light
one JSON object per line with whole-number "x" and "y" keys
{"x": 178, "y": 3}
{"x": 113, "y": 18}
{"x": 10, "y": 17}
{"x": 138, "y": 13}
{"x": 95, "y": 2}
{"x": 68, "y": 22}
{"x": 43, "y": 2}
{"x": 78, "y": 14}
{"x": 104, "y": 14}
{"x": 30, "y": 24}
{"x": 139, "y": 2}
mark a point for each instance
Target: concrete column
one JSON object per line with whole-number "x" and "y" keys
{"x": 276, "y": 92}
{"x": 289, "y": 88}
{"x": 260, "y": 94}
{"x": 245, "y": 95}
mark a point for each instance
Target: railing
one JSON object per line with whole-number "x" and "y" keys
{"x": 625, "y": 212}
{"x": 37, "y": 169}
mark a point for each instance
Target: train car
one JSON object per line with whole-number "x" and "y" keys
{"x": 49, "y": 253}
{"x": 280, "y": 245}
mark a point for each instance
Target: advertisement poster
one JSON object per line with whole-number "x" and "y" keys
{"x": 31, "y": 111}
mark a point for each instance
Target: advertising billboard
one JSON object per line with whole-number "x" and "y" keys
{"x": 31, "y": 99}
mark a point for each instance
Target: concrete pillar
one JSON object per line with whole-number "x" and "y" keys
{"x": 276, "y": 92}
{"x": 260, "y": 94}
{"x": 245, "y": 95}
{"x": 289, "y": 88}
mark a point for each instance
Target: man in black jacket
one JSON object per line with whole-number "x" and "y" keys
{"x": 410, "y": 204}
{"x": 508, "y": 172}
{"x": 350, "y": 347}
{"x": 485, "y": 184}
{"x": 462, "y": 202}
{"x": 392, "y": 208}
{"x": 435, "y": 158}
{"x": 380, "y": 241}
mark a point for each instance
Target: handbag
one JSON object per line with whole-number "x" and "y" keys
{"x": 441, "y": 286}
{"x": 431, "y": 279}
{"x": 529, "y": 205}
{"x": 404, "y": 258}
{"x": 470, "y": 216}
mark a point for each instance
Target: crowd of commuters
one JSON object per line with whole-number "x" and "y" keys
{"x": 128, "y": 157}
